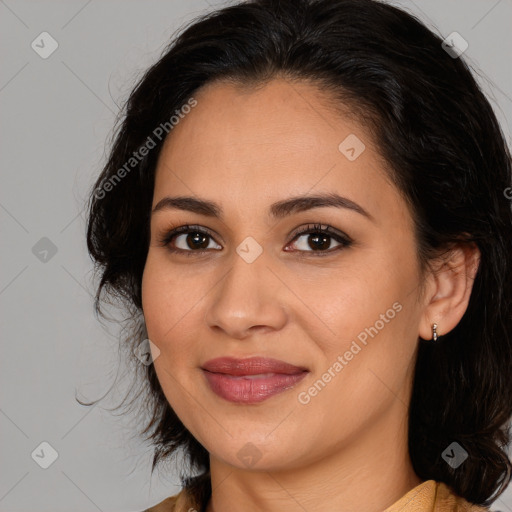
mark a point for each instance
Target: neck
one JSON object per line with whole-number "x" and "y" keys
{"x": 369, "y": 473}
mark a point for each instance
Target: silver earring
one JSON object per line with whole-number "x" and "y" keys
{"x": 434, "y": 332}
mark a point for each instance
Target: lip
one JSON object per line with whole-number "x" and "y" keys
{"x": 251, "y": 380}
{"x": 250, "y": 366}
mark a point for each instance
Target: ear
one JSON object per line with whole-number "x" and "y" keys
{"x": 448, "y": 289}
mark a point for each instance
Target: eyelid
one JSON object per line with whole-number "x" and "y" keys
{"x": 318, "y": 227}
{"x": 169, "y": 233}
{"x": 342, "y": 238}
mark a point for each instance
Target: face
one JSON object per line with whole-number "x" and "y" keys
{"x": 330, "y": 287}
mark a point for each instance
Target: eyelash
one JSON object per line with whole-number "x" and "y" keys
{"x": 344, "y": 240}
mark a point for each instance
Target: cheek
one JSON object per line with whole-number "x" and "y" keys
{"x": 366, "y": 367}
{"x": 372, "y": 314}
{"x": 167, "y": 306}
{"x": 163, "y": 306}
{"x": 166, "y": 301}
{"x": 365, "y": 296}
{"x": 153, "y": 298}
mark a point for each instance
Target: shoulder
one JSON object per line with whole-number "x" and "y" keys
{"x": 189, "y": 499}
{"x": 447, "y": 500}
{"x": 180, "y": 502}
{"x": 192, "y": 498}
{"x": 167, "y": 505}
{"x": 433, "y": 496}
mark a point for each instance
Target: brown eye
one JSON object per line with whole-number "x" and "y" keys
{"x": 193, "y": 240}
{"x": 320, "y": 240}
{"x": 188, "y": 239}
{"x": 316, "y": 240}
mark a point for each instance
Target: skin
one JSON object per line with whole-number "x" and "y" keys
{"x": 246, "y": 148}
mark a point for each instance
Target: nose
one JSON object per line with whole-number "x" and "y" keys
{"x": 248, "y": 300}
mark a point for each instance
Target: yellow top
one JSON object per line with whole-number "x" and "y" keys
{"x": 429, "y": 496}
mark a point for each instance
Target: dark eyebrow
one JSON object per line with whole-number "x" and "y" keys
{"x": 278, "y": 210}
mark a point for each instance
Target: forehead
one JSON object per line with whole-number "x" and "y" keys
{"x": 279, "y": 138}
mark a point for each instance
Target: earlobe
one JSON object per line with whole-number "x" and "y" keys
{"x": 451, "y": 285}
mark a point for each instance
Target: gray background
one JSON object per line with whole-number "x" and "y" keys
{"x": 56, "y": 116}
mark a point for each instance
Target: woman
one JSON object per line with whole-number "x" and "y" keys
{"x": 304, "y": 212}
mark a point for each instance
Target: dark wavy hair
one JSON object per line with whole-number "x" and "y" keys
{"x": 447, "y": 156}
